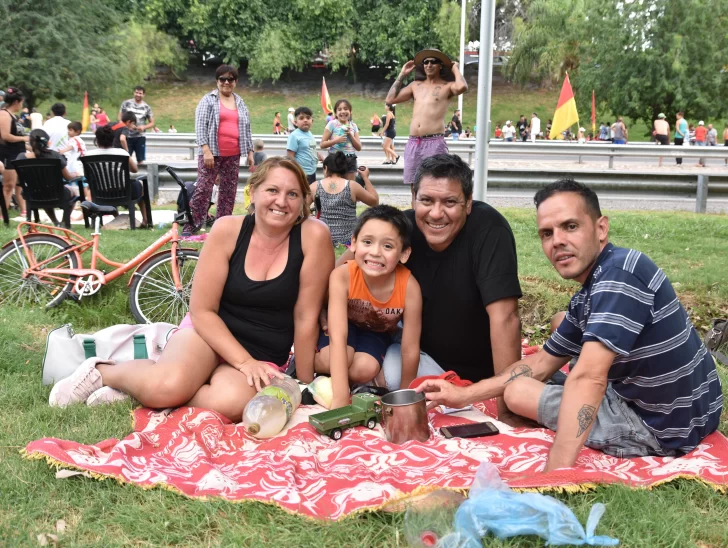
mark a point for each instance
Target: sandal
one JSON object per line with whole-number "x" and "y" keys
{"x": 716, "y": 337}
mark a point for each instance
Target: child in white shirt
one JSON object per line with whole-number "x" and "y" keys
{"x": 75, "y": 149}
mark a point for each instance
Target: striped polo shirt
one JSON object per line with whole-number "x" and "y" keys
{"x": 662, "y": 369}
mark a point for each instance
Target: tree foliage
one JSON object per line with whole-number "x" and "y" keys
{"x": 655, "y": 56}
{"x": 642, "y": 57}
{"x": 447, "y": 28}
{"x": 60, "y": 48}
{"x": 274, "y": 35}
{"x": 547, "y": 42}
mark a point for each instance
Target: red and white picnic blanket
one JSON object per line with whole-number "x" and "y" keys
{"x": 200, "y": 454}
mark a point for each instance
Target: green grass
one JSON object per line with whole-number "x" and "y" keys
{"x": 690, "y": 248}
{"x": 175, "y": 103}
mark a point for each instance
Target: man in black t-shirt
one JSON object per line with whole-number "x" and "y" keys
{"x": 456, "y": 126}
{"x": 464, "y": 258}
{"x": 121, "y": 130}
{"x": 522, "y": 125}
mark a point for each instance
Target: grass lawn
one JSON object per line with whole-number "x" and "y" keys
{"x": 690, "y": 248}
{"x": 175, "y": 103}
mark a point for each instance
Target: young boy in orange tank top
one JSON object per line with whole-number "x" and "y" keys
{"x": 367, "y": 298}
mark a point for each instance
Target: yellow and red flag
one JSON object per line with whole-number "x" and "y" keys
{"x": 565, "y": 115}
{"x": 594, "y": 115}
{"x": 85, "y": 115}
{"x": 325, "y": 99}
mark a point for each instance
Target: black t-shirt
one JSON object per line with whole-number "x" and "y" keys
{"x": 521, "y": 125}
{"x": 479, "y": 267}
{"x": 457, "y": 126}
{"x": 47, "y": 154}
{"x": 119, "y": 130}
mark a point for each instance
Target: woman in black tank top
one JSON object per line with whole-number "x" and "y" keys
{"x": 258, "y": 288}
{"x": 12, "y": 143}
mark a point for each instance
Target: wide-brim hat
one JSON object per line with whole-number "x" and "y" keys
{"x": 446, "y": 70}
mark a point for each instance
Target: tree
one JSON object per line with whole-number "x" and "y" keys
{"x": 656, "y": 56}
{"x": 547, "y": 42}
{"x": 447, "y": 28}
{"x": 61, "y": 48}
{"x": 274, "y": 35}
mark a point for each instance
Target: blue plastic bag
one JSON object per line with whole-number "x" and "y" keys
{"x": 492, "y": 507}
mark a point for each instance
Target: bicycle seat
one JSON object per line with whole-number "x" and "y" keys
{"x": 95, "y": 209}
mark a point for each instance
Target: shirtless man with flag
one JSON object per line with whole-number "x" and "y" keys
{"x": 437, "y": 79}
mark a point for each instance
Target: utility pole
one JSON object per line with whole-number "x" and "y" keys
{"x": 485, "y": 83}
{"x": 462, "y": 50}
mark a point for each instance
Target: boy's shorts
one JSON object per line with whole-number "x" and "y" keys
{"x": 419, "y": 148}
{"x": 361, "y": 340}
{"x": 617, "y": 431}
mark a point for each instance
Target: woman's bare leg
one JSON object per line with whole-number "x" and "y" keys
{"x": 228, "y": 392}
{"x": 185, "y": 365}
{"x": 10, "y": 176}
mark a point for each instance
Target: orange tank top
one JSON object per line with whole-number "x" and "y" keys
{"x": 368, "y": 313}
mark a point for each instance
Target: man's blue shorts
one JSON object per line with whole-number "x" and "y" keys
{"x": 362, "y": 340}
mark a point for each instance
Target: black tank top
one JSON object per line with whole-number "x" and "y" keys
{"x": 259, "y": 314}
{"x": 13, "y": 148}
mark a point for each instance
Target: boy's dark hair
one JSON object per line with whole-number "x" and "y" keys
{"x": 389, "y": 214}
{"x": 128, "y": 116}
{"x": 224, "y": 69}
{"x": 140, "y": 88}
{"x": 591, "y": 201}
{"x": 336, "y": 163}
{"x": 58, "y": 109}
{"x": 105, "y": 137}
{"x": 13, "y": 95}
{"x": 446, "y": 166}
{"x": 303, "y": 110}
{"x": 76, "y": 126}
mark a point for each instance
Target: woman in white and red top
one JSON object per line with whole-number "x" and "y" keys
{"x": 222, "y": 125}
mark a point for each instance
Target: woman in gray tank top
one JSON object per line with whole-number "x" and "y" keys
{"x": 336, "y": 197}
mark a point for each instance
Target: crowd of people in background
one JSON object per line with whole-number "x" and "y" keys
{"x": 224, "y": 136}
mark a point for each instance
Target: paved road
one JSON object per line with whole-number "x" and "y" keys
{"x": 375, "y": 157}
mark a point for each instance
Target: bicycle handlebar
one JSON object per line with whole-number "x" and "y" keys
{"x": 179, "y": 181}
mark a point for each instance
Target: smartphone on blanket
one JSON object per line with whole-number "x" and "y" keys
{"x": 475, "y": 430}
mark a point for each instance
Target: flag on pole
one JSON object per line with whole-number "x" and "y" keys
{"x": 85, "y": 116}
{"x": 594, "y": 115}
{"x": 325, "y": 99}
{"x": 565, "y": 115}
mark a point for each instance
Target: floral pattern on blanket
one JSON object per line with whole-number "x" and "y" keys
{"x": 201, "y": 454}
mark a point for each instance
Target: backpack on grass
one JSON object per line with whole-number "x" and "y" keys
{"x": 66, "y": 350}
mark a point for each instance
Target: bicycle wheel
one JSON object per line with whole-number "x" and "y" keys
{"x": 14, "y": 289}
{"x": 153, "y": 296}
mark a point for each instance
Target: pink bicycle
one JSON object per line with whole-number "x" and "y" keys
{"x": 44, "y": 265}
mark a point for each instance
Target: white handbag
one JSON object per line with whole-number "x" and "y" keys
{"x": 66, "y": 350}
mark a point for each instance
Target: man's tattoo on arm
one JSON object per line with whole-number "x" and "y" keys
{"x": 585, "y": 416}
{"x": 520, "y": 370}
{"x": 396, "y": 87}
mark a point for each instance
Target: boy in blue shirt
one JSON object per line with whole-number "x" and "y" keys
{"x": 301, "y": 145}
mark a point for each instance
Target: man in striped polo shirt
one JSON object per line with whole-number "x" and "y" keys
{"x": 643, "y": 382}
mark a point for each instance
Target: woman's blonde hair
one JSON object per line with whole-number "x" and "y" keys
{"x": 262, "y": 171}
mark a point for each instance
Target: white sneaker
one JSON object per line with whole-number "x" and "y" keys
{"x": 79, "y": 386}
{"x": 106, "y": 395}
